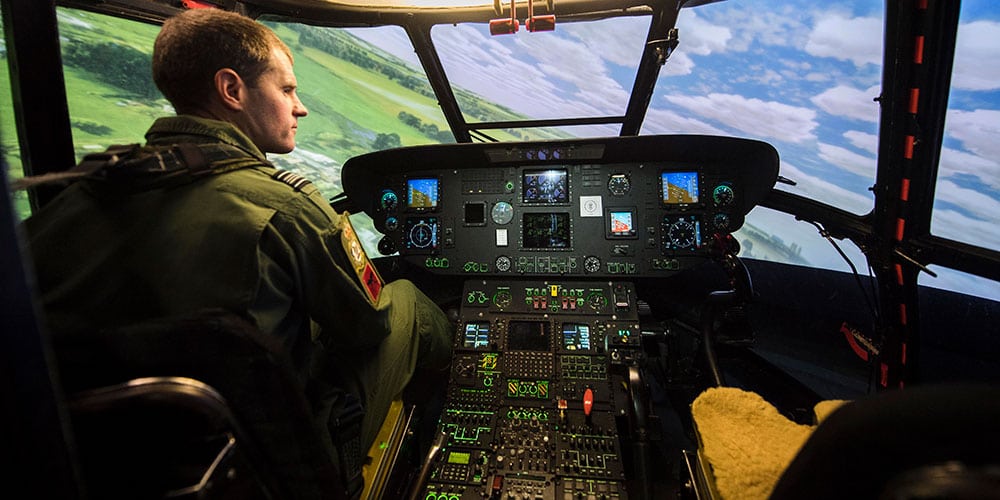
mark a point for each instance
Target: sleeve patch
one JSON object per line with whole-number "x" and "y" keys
{"x": 368, "y": 276}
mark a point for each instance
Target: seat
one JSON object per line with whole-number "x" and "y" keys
{"x": 194, "y": 454}
{"x": 934, "y": 441}
{"x": 128, "y": 410}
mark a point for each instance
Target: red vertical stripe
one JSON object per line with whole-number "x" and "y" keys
{"x": 914, "y": 99}
{"x": 899, "y": 274}
{"x": 884, "y": 375}
{"x": 904, "y": 190}
{"x": 902, "y": 314}
{"x": 922, "y": 4}
{"x": 900, "y": 226}
{"x": 903, "y": 357}
{"x": 918, "y": 50}
{"x": 908, "y": 148}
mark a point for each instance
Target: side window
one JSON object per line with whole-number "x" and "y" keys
{"x": 10, "y": 151}
{"x": 109, "y": 88}
{"x": 109, "y": 82}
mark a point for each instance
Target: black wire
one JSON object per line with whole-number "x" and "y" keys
{"x": 857, "y": 277}
{"x": 872, "y": 372}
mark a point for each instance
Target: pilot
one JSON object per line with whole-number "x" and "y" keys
{"x": 199, "y": 218}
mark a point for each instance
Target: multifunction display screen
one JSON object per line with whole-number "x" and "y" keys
{"x": 576, "y": 337}
{"x": 546, "y": 186}
{"x": 546, "y": 230}
{"x": 621, "y": 223}
{"x": 477, "y": 334}
{"x": 528, "y": 336}
{"x": 679, "y": 187}
{"x": 422, "y": 193}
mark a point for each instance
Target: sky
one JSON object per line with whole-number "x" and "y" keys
{"x": 801, "y": 75}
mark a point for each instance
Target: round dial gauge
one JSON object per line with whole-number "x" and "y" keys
{"x": 619, "y": 184}
{"x": 681, "y": 233}
{"x": 386, "y": 246}
{"x": 592, "y": 264}
{"x": 723, "y": 195}
{"x": 722, "y": 222}
{"x": 421, "y": 235}
{"x": 502, "y": 263}
{"x": 502, "y": 212}
{"x": 389, "y": 200}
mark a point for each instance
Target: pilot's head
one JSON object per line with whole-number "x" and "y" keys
{"x": 222, "y": 65}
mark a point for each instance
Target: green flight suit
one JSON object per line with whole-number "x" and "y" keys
{"x": 107, "y": 255}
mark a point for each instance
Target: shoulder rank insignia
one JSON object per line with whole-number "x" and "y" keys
{"x": 368, "y": 276}
{"x": 295, "y": 180}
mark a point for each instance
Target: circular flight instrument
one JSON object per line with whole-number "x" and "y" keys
{"x": 619, "y": 184}
{"x": 723, "y": 195}
{"x": 389, "y": 200}
{"x": 421, "y": 235}
{"x": 591, "y": 264}
{"x": 386, "y": 246}
{"x": 502, "y": 213}
{"x": 721, "y": 222}
{"x": 681, "y": 233}
{"x": 391, "y": 223}
{"x": 502, "y": 263}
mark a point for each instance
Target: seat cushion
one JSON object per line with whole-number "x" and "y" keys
{"x": 746, "y": 441}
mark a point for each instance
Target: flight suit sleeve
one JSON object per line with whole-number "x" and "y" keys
{"x": 304, "y": 243}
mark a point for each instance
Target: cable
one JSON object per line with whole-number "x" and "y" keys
{"x": 854, "y": 270}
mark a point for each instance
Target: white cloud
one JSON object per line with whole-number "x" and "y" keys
{"x": 755, "y": 117}
{"x": 956, "y": 226}
{"x": 978, "y": 130}
{"x": 660, "y": 121}
{"x": 573, "y": 62}
{"x": 980, "y": 205}
{"x": 954, "y": 162}
{"x": 857, "y": 39}
{"x": 977, "y": 56}
{"x": 616, "y": 40}
{"x": 848, "y": 160}
{"x": 699, "y": 36}
{"x": 849, "y": 102}
{"x": 823, "y": 190}
{"x": 862, "y": 140}
{"x": 979, "y": 133}
{"x": 678, "y": 64}
{"x": 768, "y": 25}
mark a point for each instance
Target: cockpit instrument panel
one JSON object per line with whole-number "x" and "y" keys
{"x": 612, "y": 207}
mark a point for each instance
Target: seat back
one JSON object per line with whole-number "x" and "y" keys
{"x": 265, "y": 408}
{"x": 897, "y": 445}
{"x": 164, "y": 437}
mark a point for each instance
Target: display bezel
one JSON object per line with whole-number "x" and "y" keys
{"x": 667, "y": 197}
{"x": 412, "y": 182}
{"x": 532, "y": 242}
{"x": 578, "y": 344}
{"x": 519, "y": 334}
{"x": 546, "y": 197}
{"x": 609, "y": 223}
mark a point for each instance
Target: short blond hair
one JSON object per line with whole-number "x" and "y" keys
{"x": 193, "y": 45}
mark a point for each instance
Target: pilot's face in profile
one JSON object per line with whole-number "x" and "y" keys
{"x": 273, "y": 108}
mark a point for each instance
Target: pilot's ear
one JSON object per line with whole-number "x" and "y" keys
{"x": 230, "y": 88}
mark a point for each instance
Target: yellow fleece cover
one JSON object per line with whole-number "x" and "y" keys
{"x": 747, "y": 443}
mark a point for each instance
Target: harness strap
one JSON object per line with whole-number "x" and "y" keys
{"x": 141, "y": 166}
